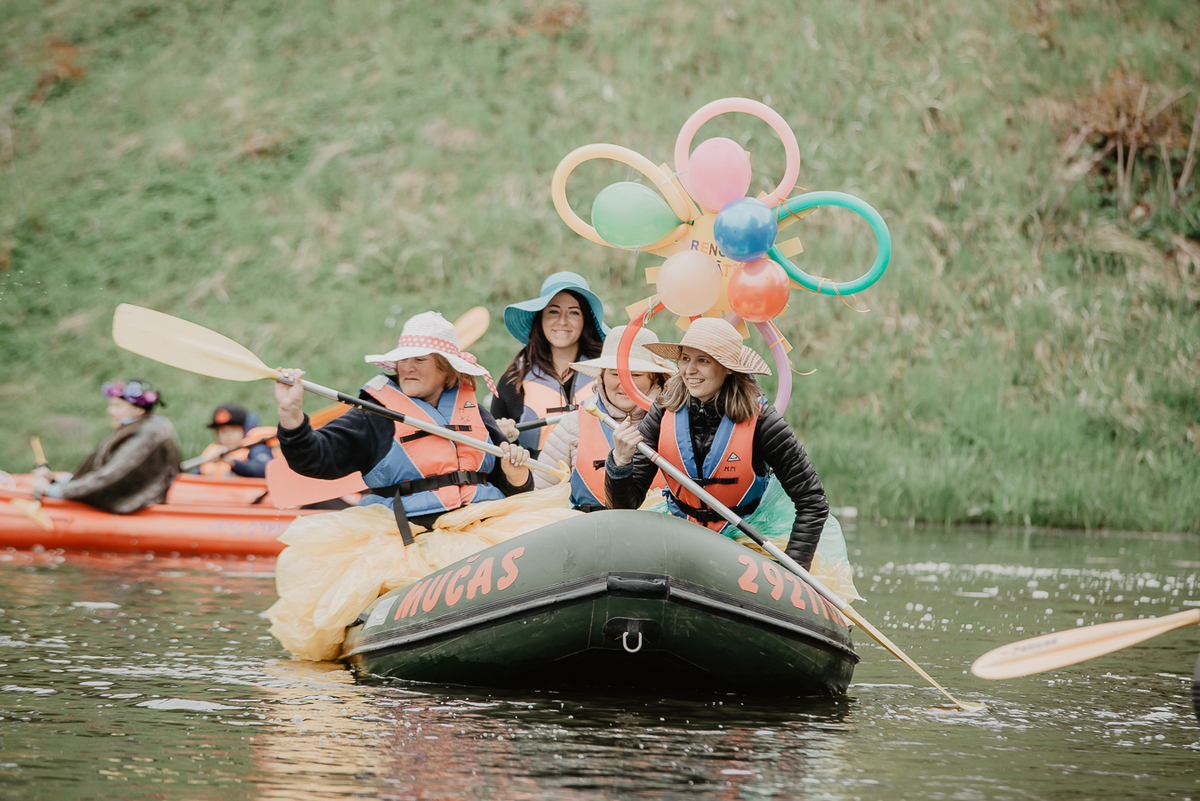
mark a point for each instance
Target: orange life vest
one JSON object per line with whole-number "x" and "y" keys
{"x": 727, "y": 473}
{"x": 544, "y": 396}
{"x": 587, "y": 475}
{"x": 427, "y": 473}
{"x": 219, "y": 467}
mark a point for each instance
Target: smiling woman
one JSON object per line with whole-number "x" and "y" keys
{"x": 713, "y": 423}
{"x": 563, "y": 324}
{"x": 426, "y": 376}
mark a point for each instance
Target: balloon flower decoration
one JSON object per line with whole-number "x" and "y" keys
{"x": 722, "y": 257}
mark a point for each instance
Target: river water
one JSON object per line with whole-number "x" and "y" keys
{"x": 138, "y": 676}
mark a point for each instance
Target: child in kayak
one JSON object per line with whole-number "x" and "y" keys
{"x": 580, "y": 439}
{"x": 241, "y": 446}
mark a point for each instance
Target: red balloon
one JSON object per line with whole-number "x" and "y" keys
{"x": 759, "y": 290}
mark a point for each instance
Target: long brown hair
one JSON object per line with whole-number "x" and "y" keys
{"x": 737, "y": 399}
{"x": 538, "y": 353}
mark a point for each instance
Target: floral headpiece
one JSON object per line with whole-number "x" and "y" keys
{"x": 139, "y": 393}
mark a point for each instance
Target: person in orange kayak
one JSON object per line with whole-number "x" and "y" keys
{"x": 419, "y": 475}
{"x": 713, "y": 422}
{"x": 563, "y": 324}
{"x": 242, "y": 447}
{"x": 132, "y": 467}
{"x": 580, "y": 439}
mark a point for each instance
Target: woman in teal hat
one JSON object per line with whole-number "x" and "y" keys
{"x": 563, "y": 324}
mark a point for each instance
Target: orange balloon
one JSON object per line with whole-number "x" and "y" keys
{"x": 759, "y": 290}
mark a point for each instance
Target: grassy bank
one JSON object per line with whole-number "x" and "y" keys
{"x": 302, "y": 176}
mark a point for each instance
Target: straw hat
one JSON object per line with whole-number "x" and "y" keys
{"x": 718, "y": 339}
{"x": 640, "y": 359}
{"x": 425, "y": 333}
{"x": 518, "y": 317}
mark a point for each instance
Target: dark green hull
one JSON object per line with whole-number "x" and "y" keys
{"x": 615, "y": 598}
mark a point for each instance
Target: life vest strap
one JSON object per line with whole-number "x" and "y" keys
{"x": 705, "y": 514}
{"x": 412, "y": 487}
{"x": 587, "y": 507}
{"x": 420, "y": 434}
{"x": 597, "y": 464}
{"x": 706, "y": 482}
{"x": 570, "y": 407}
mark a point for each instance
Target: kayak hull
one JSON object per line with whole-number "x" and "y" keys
{"x": 616, "y": 598}
{"x": 207, "y": 528}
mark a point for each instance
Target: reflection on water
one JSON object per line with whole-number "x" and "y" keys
{"x": 135, "y": 676}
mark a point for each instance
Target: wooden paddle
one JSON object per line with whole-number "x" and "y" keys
{"x": 1062, "y": 648}
{"x": 196, "y": 349}
{"x": 783, "y": 559}
{"x": 32, "y": 507}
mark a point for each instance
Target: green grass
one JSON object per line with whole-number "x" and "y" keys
{"x": 302, "y": 176}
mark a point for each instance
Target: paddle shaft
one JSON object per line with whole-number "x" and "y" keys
{"x": 420, "y": 425}
{"x": 39, "y": 456}
{"x": 552, "y": 420}
{"x": 770, "y": 547}
{"x": 212, "y": 457}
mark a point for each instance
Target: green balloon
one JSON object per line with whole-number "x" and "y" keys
{"x": 630, "y": 215}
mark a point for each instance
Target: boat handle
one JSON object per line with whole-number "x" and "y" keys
{"x": 625, "y": 642}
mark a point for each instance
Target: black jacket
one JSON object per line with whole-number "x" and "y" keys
{"x": 359, "y": 440}
{"x": 775, "y": 447}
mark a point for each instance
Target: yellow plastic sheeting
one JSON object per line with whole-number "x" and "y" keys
{"x": 335, "y": 564}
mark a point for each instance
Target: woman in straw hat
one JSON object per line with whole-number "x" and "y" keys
{"x": 713, "y": 422}
{"x": 562, "y": 325}
{"x": 581, "y": 440}
{"x": 420, "y": 476}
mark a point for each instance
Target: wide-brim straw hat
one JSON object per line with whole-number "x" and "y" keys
{"x": 518, "y": 317}
{"x": 718, "y": 339}
{"x": 426, "y": 333}
{"x": 641, "y": 360}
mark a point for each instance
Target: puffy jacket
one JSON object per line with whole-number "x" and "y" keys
{"x": 775, "y": 447}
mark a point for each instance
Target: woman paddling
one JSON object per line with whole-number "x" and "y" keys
{"x": 562, "y": 325}
{"x": 419, "y": 476}
{"x": 337, "y": 563}
{"x": 580, "y": 439}
{"x": 133, "y": 467}
{"x": 713, "y": 422}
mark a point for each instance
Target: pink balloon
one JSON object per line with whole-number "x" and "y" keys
{"x": 791, "y": 147}
{"x": 718, "y": 172}
{"x": 689, "y": 283}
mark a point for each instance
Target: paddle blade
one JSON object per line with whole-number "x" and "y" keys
{"x": 185, "y": 345}
{"x": 322, "y": 416}
{"x": 1062, "y": 648}
{"x": 34, "y": 511}
{"x": 471, "y": 326}
{"x": 288, "y": 489}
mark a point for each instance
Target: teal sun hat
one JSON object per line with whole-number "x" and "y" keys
{"x": 518, "y": 317}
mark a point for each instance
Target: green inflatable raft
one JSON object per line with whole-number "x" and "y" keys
{"x": 615, "y": 598}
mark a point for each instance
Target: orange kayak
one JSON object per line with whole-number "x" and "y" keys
{"x": 202, "y": 515}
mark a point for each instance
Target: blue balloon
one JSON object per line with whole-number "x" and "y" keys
{"x": 745, "y": 229}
